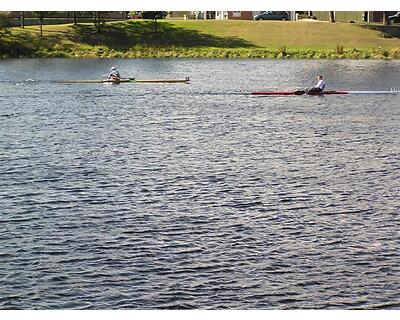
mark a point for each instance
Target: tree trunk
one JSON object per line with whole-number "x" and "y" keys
{"x": 155, "y": 24}
{"x": 74, "y": 17}
{"x": 22, "y": 20}
{"x": 384, "y": 18}
{"x": 332, "y": 16}
{"x": 41, "y": 24}
{"x": 98, "y": 20}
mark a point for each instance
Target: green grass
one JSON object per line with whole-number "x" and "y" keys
{"x": 211, "y": 38}
{"x": 296, "y": 35}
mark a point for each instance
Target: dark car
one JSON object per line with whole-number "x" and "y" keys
{"x": 394, "y": 19}
{"x": 272, "y": 15}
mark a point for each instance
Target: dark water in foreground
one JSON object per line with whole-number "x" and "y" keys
{"x": 194, "y": 196}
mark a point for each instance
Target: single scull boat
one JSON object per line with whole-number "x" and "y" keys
{"x": 129, "y": 80}
{"x": 332, "y": 92}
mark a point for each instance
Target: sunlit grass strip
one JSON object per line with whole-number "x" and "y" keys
{"x": 139, "y": 51}
{"x": 297, "y": 35}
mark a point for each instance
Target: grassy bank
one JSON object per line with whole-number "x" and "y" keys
{"x": 211, "y": 38}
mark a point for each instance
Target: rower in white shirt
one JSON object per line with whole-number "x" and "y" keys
{"x": 114, "y": 74}
{"x": 319, "y": 87}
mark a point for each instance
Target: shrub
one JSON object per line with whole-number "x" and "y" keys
{"x": 339, "y": 49}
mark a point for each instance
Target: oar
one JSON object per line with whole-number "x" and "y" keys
{"x": 309, "y": 90}
{"x": 120, "y": 80}
{"x": 300, "y": 92}
{"x": 105, "y": 77}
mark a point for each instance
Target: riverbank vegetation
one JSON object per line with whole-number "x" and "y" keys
{"x": 210, "y": 38}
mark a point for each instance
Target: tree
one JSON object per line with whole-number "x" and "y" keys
{"x": 22, "y": 17}
{"x": 5, "y": 23}
{"x": 98, "y": 21}
{"x": 154, "y": 15}
{"x": 41, "y": 18}
{"x": 41, "y": 15}
{"x": 81, "y": 14}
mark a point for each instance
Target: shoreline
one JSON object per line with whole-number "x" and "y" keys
{"x": 204, "y": 52}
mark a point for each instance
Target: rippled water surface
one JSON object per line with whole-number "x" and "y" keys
{"x": 197, "y": 196}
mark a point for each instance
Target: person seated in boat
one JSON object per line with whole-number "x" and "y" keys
{"x": 114, "y": 74}
{"x": 319, "y": 87}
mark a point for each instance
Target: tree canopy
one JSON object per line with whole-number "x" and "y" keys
{"x": 5, "y": 23}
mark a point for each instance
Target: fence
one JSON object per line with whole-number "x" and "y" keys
{"x": 16, "y": 22}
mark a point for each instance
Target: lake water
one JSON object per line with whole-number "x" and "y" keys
{"x": 146, "y": 196}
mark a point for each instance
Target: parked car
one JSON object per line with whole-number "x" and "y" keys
{"x": 272, "y": 15}
{"x": 394, "y": 19}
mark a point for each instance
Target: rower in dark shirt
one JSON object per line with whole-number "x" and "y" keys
{"x": 319, "y": 87}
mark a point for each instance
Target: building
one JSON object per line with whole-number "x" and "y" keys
{"x": 242, "y": 15}
{"x": 205, "y": 15}
{"x": 249, "y": 15}
{"x": 221, "y": 15}
{"x": 379, "y": 16}
{"x": 353, "y": 16}
{"x": 180, "y": 15}
{"x": 339, "y": 16}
